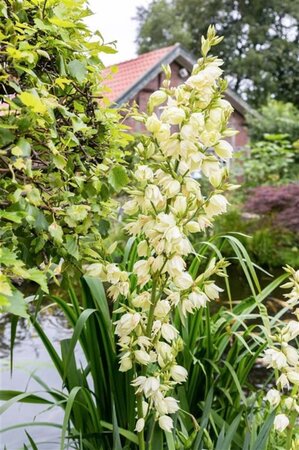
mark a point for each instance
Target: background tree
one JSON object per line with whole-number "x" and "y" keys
{"x": 260, "y": 46}
{"x": 60, "y": 145}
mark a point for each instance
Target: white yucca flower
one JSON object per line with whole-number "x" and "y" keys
{"x": 184, "y": 138}
{"x": 127, "y": 323}
{"x": 224, "y": 149}
{"x": 139, "y": 425}
{"x": 274, "y": 358}
{"x": 178, "y": 373}
{"x": 144, "y": 173}
{"x": 273, "y": 397}
{"x": 173, "y": 115}
{"x": 216, "y": 205}
{"x": 166, "y": 423}
{"x": 169, "y": 333}
{"x": 281, "y": 421}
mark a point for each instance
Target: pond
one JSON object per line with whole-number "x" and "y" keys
{"x": 31, "y": 360}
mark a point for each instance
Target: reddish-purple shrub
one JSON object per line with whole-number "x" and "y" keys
{"x": 280, "y": 202}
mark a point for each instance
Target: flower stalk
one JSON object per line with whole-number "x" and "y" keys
{"x": 187, "y": 131}
{"x": 284, "y": 359}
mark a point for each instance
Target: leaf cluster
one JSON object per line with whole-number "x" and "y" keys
{"x": 58, "y": 138}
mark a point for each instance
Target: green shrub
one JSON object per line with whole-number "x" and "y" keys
{"x": 273, "y": 160}
{"x": 57, "y": 139}
{"x": 267, "y": 244}
{"x": 275, "y": 247}
{"x": 276, "y": 117}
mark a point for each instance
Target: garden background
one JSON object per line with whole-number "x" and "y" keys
{"x": 67, "y": 166}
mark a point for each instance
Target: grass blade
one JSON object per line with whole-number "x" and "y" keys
{"x": 68, "y": 409}
{"x": 75, "y": 337}
{"x": 198, "y": 444}
{"x": 16, "y": 396}
{"x": 261, "y": 441}
{"x": 32, "y": 443}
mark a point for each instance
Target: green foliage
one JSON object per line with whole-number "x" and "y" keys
{"x": 275, "y": 247}
{"x": 57, "y": 141}
{"x": 260, "y": 48}
{"x": 118, "y": 178}
{"x": 268, "y": 245}
{"x": 275, "y": 117}
{"x": 273, "y": 160}
{"x": 221, "y": 347}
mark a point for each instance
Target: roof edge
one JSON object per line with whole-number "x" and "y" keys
{"x": 185, "y": 58}
{"x": 149, "y": 75}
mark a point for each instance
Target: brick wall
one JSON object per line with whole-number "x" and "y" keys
{"x": 237, "y": 120}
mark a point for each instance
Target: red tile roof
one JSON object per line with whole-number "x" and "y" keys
{"x": 130, "y": 72}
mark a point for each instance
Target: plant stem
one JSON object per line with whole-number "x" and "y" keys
{"x": 140, "y": 416}
{"x": 292, "y": 422}
{"x": 152, "y": 308}
{"x": 150, "y": 436}
{"x": 290, "y": 430}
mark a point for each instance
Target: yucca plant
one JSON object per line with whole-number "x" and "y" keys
{"x": 219, "y": 406}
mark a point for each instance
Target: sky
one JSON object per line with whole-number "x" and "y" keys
{"x": 114, "y": 19}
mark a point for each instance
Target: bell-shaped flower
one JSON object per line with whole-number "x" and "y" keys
{"x": 125, "y": 362}
{"x": 169, "y": 333}
{"x": 179, "y": 205}
{"x": 205, "y": 78}
{"x": 164, "y": 352}
{"x": 281, "y": 421}
{"x": 157, "y": 98}
{"x": 173, "y": 115}
{"x": 144, "y": 173}
{"x": 198, "y": 299}
{"x": 293, "y": 377}
{"x": 153, "y": 195}
{"x": 291, "y": 331}
{"x": 127, "y": 323}
{"x": 162, "y": 309}
{"x": 139, "y": 425}
{"x": 151, "y": 386}
{"x": 112, "y": 273}
{"x": 274, "y": 358}
{"x": 183, "y": 281}
{"x": 273, "y": 397}
{"x": 142, "y": 357}
{"x": 172, "y": 405}
{"x": 166, "y": 423}
{"x": 142, "y": 300}
{"x": 130, "y": 207}
{"x": 197, "y": 120}
{"x": 224, "y": 149}
{"x": 212, "y": 290}
{"x": 291, "y": 354}
{"x": 153, "y": 124}
{"x": 216, "y": 205}
{"x": 178, "y": 373}
{"x": 175, "y": 266}
{"x": 142, "y": 270}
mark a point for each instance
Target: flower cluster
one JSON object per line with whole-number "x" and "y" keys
{"x": 284, "y": 358}
{"x": 187, "y": 130}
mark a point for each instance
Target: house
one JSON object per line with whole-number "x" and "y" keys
{"x": 136, "y": 79}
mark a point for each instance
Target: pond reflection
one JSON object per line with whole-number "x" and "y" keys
{"x": 31, "y": 360}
